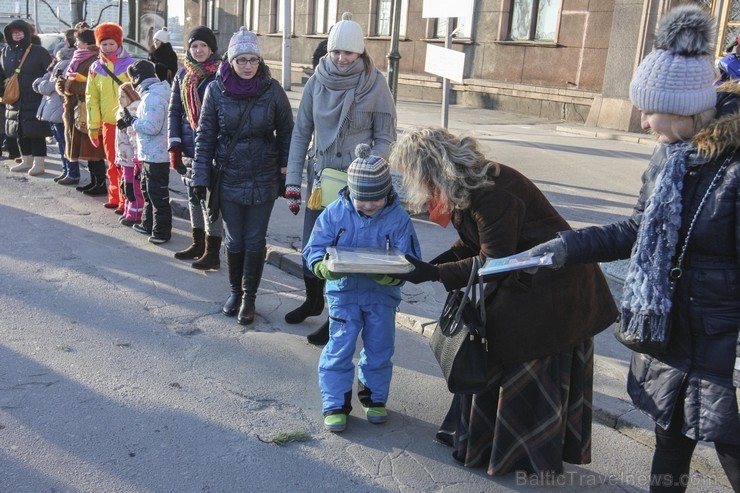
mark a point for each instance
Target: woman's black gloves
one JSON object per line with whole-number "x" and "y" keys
{"x": 422, "y": 272}
{"x": 199, "y": 193}
{"x": 444, "y": 258}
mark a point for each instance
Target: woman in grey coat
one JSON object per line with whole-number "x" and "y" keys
{"x": 346, "y": 102}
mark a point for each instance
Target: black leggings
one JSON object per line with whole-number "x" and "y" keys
{"x": 32, "y": 146}
{"x": 672, "y": 459}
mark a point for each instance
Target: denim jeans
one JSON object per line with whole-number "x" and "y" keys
{"x": 71, "y": 169}
{"x": 157, "y": 215}
{"x": 245, "y": 226}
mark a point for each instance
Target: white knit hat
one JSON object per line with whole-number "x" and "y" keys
{"x": 347, "y": 35}
{"x": 162, "y": 35}
{"x": 678, "y": 75}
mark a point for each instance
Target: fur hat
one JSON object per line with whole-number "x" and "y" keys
{"x": 347, "y": 35}
{"x": 141, "y": 70}
{"x": 368, "y": 177}
{"x": 108, "y": 30}
{"x": 128, "y": 89}
{"x": 162, "y": 35}
{"x": 243, "y": 42}
{"x": 678, "y": 75}
{"x": 202, "y": 33}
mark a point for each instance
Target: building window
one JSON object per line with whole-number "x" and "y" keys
{"x": 383, "y": 10}
{"x": 461, "y": 27}
{"x": 324, "y": 15}
{"x": 276, "y": 16}
{"x": 212, "y": 8}
{"x": 534, "y": 20}
{"x": 729, "y": 25}
{"x": 251, "y": 14}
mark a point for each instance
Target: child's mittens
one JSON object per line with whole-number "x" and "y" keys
{"x": 384, "y": 279}
{"x": 323, "y": 272}
{"x": 293, "y": 195}
{"x": 176, "y": 159}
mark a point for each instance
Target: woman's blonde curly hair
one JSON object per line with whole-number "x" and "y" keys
{"x": 432, "y": 158}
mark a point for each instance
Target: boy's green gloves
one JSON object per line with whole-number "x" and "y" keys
{"x": 384, "y": 279}
{"x": 323, "y": 272}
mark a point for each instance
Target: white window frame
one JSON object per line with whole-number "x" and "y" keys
{"x": 212, "y": 10}
{"x": 324, "y": 16}
{"x": 377, "y": 4}
{"x": 251, "y": 14}
{"x": 528, "y": 13}
{"x": 276, "y": 19}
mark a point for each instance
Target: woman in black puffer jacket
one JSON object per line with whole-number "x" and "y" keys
{"x": 252, "y": 171}
{"x": 684, "y": 232}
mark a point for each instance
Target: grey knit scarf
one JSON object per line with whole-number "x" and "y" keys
{"x": 341, "y": 97}
{"x": 648, "y": 289}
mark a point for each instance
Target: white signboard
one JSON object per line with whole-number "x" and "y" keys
{"x": 446, "y": 8}
{"x": 445, "y": 63}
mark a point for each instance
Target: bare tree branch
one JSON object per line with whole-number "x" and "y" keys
{"x": 55, "y": 14}
{"x": 100, "y": 14}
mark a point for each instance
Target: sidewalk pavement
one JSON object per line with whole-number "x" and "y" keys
{"x": 591, "y": 175}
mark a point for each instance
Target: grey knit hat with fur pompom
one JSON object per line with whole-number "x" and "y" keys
{"x": 678, "y": 75}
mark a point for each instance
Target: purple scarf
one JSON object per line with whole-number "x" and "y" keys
{"x": 78, "y": 57}
{"x": 238, "y": 87}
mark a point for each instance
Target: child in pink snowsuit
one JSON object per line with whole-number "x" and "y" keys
{"x": 129, "y": 99}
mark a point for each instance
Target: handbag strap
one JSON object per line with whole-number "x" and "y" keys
{"x": 477, "y": 296}
{"x": 113, "y": 76}
{"x": 25, "y": 55}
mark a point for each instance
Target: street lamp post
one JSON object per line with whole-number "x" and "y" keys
{"x": 393, "y": 56}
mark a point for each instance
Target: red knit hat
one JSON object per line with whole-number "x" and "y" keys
{"x": 109, "y": 30}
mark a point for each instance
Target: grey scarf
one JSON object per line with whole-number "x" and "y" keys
{"x": 648, "y": 289}
{"x": 341, "y": 97}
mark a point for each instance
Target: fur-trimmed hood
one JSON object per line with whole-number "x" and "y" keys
{"x": 723, "y": 132}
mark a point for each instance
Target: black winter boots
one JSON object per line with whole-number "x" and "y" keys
{"x": 314, "y": 303}
{"x": 210, "y": 260}
{"x": 236, "y": 270}
{"x": 254, "y": 263}
{"x": 196, "y": 248}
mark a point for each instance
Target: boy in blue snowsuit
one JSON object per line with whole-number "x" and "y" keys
{"x": 367, "y": 213}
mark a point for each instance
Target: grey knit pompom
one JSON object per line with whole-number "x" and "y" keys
{"x": 686, "y": 30}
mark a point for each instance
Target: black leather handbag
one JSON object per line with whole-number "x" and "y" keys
{"x": 459, "y": 341}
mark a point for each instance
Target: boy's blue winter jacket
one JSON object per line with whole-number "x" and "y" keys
{"x": 341, "y": 225}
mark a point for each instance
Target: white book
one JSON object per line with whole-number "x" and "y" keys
{"x": 515, "y": 262}
{"x": 347, "y": 260}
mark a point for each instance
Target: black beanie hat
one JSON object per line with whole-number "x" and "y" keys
{"x": 141, "y": 70}
{"x": 202, "y": 33}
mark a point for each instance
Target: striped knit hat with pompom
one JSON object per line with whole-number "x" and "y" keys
{"x": 368, "y": 177}
{"x": 678, "y": 75}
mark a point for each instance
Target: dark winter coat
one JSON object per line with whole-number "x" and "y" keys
{"x": 164, "y": 59}
{"x": 251, "y": 173}
{"x": 21, "y": 121}
{"x": 179, "y": 129}
{"x": 528, "y": 315}
{"x": 696, "y": 370}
